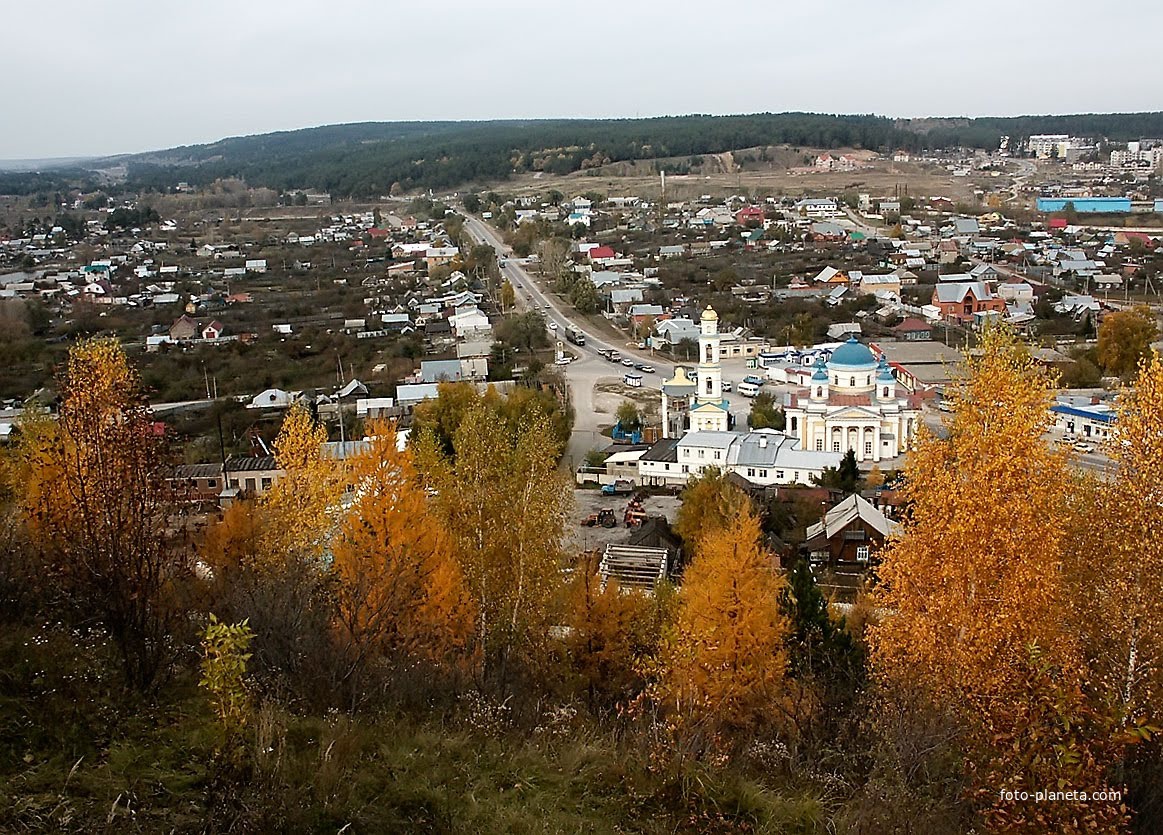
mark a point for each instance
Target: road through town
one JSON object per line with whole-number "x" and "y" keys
{"x": 590, "y": 369}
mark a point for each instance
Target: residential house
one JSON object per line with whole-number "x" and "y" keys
{"x": 184, "y": 329}
{"x": 641, "y": 312}
{"x": 962, "y": 300}
{"x": 817, "y": 207}
{"x": 749, "y": 214}
{"x": 849, "y": 535}
{"x": 474, "y": 359}
{"x": 914, "y": 330}
{"x": 271, "y": 399}
{"x": 868, "y": 284}
{"x": 469, "y": 321}
{"x": 671, "y": 332}
{"x": 1015, "y": 290}
{"x": 437, "y": 371}
{"x": 408, "y": 395}
{"x": 825, "y": 230}
{"x": 252, "y": 476}
{"x": 213, "y": 330}
{"x": 439, "y": 256}
{"x": 622, "y": 299}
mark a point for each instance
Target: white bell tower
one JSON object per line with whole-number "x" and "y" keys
{"x": 710, "y": 372}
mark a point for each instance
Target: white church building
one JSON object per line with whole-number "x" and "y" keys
{"x": 852, "y": 404}
{"x": 697, "y": 432}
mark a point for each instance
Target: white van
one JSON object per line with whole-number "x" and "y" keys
{"x": 748, "y": 389}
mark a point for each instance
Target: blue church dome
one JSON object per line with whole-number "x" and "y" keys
{"x": 883, "y": 372}
{"x": 853, "y": 355}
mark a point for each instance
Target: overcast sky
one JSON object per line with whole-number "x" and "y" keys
{"x": 86, "y": 78}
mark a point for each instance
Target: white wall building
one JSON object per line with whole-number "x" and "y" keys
{"x": 852, "y": 404}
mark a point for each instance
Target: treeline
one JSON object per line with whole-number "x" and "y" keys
{"x": 1013, "y": 643}
{"x": 373, "y": 159}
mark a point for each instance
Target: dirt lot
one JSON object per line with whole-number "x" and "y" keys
{"x": 591, "y": 501}
{"x": 880, "y": 177}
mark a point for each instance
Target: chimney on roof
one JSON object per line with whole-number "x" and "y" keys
{"x": 763, "y": 442}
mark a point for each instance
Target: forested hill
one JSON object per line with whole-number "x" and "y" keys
{"x": 369, "y": 159}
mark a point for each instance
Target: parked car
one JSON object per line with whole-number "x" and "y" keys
{"x": 553, "y": 326}
{"x": 1082, "y": 446}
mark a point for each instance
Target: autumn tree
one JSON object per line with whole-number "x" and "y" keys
{"x": 974, "y": 589}
{"x": 1116, "y": 589}
{"x": 612, "y": 633}
{"x": 298, "y": 506}
{"x": 552, "y": 254}
{"x": 1124, "y": 337}
{"x": 92, "y": 490}
{"x": 709, "y": 502}
{"x": 504, "y": 504}
{"x": 268, "y": 558}
{"x": 724, "y": 665}
{"x": 508, "y": 296}
{"x": 400, "y": 595}
{"x": 443, "y": 414}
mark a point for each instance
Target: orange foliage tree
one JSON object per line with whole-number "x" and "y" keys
{"x": 399, "y": 590}
{"x": 93, "y": 494}
{"x": 612, "y": 635}
{"x": 724, "y": 664}
{"x": 975, "y": 598}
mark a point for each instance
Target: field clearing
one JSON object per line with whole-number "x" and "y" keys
{"x": 881, "y": 177}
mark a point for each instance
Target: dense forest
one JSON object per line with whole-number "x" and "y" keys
{"x": 374, "y": 158}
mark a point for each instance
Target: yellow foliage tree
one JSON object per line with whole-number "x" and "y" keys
{"x": 973, "y": 585}
{"x": 299, "y": 508}
{"x": 504, "y": 504}
{"x": 709, "y": 502}
{"x": 724, "y": 666}
{"x": 92, "y": 491}
{"x": 400, "y": 593}
{"x": 1117, "y": 585}
{"x": 1125, "y": 337}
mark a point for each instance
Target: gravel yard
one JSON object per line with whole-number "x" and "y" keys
{"x": 591, "y": 501}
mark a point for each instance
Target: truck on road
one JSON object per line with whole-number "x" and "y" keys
{"x": 575, "y": 335}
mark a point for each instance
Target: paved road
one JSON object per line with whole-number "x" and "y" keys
{"x": 590, "y": 367}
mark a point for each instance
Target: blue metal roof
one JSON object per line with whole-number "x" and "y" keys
{"x": 1103, "y": 416}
